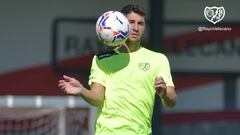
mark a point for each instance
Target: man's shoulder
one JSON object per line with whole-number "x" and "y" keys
{"x": 153, "y": 53}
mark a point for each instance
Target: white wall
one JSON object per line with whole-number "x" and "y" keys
{"x": 25, "y": 27}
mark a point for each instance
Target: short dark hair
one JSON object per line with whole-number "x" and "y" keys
{"x": 133, "y": 8}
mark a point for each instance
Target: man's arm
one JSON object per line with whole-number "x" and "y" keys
{"x": 94, "y": 96}
{"x": 167, "y": 93}
{"x": 169, "y": 97}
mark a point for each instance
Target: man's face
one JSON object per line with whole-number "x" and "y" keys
{"x": 137, "y": 26}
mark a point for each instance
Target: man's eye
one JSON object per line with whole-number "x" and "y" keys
{"x": 141, "y": 23}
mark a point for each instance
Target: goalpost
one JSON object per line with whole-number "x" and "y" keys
{"x": 75, "y": 117}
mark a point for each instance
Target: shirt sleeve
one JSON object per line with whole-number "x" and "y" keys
{"x": 96, "y": 73}
{"x": 165, "y": 71}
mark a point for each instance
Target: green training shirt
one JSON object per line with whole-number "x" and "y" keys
{"x": 128, "y": 79}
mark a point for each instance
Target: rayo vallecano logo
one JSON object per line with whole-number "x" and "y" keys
{"x": 214, "y": 14}
{"x": 144, "y": 66}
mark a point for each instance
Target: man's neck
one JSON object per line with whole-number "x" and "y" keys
{"x": 133, "y": 46}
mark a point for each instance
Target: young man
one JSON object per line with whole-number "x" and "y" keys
{"x": 123, "y": 84}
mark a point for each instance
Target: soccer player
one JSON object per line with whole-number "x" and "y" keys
{"x": 123, "y": 83}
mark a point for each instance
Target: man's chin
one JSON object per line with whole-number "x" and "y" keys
{"x": 132, "y": 39}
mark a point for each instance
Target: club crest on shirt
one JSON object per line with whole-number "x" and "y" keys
{"x": 144, "y": 66}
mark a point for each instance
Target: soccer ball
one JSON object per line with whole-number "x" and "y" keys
{"x": 112, "y": 28}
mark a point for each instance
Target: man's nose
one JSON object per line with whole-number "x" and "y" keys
{"x": 135, "y": 27}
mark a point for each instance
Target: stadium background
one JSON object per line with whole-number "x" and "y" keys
{"x": 41, "y": 40}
